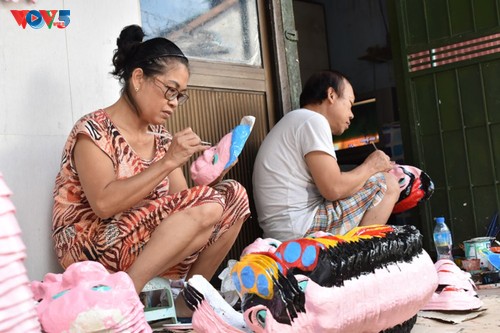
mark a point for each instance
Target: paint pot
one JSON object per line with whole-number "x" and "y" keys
{"x": 471, "y": 265}
{"x": 474, "y": 249}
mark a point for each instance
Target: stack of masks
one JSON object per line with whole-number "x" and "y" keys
{"x": 17, "y": 307}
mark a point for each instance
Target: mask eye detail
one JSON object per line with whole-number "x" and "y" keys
{"x": 101, "y": 288}
{"x": 59, "y": 294}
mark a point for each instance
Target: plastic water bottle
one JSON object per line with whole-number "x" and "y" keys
{"x": 442, "y": 239}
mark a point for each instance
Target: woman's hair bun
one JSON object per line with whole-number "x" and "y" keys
{"x": 130, "y": 35}
{"x": 153, "y": 56}
{"x": 130, "y": 38}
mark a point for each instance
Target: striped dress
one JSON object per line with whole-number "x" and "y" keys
{"x": 79, "y": 234}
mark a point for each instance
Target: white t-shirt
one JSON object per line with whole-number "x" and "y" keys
{"x": 285, "y": 195}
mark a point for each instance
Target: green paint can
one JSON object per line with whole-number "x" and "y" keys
{"x": 475, "y": 249}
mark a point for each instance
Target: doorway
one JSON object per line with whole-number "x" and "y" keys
{"x": 352, "y": 36}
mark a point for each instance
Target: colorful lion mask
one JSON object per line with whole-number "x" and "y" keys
{"x": 373, "y": 279}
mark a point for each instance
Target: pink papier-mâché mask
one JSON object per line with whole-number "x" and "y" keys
{"x": 210, "y": 165}
{"x": 86, "y": 298}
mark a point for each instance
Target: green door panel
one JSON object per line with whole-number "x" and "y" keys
{"x": 461, "y": 16}
{"x": 455, "y": 159}
{"x": 417, "y": 33}
{"x": 432, "y": 149}
{"x": 471, "y": 96}
{"x": 495, "y": 142}
{"x": 485, "y": 199}
{"x": 449, "y": 102}
{"x": 479, "y": 158}
{"x": 485, "y": 14}
{"x": 491, "y": 73}
{"x": 427, "y": 104}
{"x": 463, "y": 221}
{"x": 438, "y": 206}
{"x": 438, "y": 22}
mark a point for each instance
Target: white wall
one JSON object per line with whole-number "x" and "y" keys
{"x": 48, "y": 79}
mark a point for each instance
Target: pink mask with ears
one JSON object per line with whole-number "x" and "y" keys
{"x": 86, "y": 298}
{"x": 415, "y": 186}
{"x": 209, "y": 166}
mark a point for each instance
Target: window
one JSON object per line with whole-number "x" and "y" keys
{"x": 215, "y": 30}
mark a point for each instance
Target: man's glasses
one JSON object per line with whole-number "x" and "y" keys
{"x": 172, "y": 93}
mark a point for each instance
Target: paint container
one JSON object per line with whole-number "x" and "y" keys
{"x": 474, "y": 249}
{"x": 471, "y": 265}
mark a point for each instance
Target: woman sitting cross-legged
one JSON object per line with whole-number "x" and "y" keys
{"x": 121, "y": 198}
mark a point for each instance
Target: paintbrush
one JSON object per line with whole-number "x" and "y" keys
{"x": 205, "y": 143}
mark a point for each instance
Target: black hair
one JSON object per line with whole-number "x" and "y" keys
{"x": 316, "y": 88}
{"x": 152, "y": 56}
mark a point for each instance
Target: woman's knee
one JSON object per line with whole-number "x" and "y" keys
{"x": 235, "y": 200}
{"x": 206, "y": 215}
{"x": 236, "y": 194}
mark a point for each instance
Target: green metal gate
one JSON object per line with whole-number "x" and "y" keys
{"x": 447, "y": 64}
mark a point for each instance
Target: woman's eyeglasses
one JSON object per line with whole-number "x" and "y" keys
{"x": 172, "y": 93}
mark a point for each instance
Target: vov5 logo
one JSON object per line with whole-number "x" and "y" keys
{"x": 38, "y": 18}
